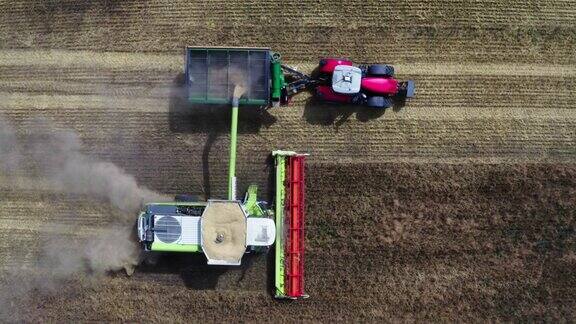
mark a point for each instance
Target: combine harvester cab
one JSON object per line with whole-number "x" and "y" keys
{"x": 224, "y": 230}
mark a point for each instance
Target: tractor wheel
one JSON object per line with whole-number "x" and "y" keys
{"x": 379, "y": 102}
{"x": 381, "y": 70}
{"x": 187, "y": 198}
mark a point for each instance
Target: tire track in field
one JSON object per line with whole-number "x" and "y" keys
{"x": 425, "y": 43}
{"x": 130, "y": 64}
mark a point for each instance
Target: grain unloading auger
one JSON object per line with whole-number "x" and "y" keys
{"x": 224, "y": 230}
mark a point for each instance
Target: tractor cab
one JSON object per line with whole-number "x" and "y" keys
{"x": 346, "y": 79}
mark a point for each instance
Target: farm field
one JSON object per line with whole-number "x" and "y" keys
{"x": 458, "y": 206}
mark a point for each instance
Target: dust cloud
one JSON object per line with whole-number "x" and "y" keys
{"x": 54, "y": 156}
{"x": 109, "y": 249}
{"x": 58, "y": 157}
{"x": 9, "y": 155}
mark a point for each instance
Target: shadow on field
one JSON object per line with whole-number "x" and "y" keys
{"x": 191, "y": 267}
{"x": 212, "y": 120}
{"x": 196, "y": 273}
{"x": 185, "y": 117}
{"x": 318, "y": 112}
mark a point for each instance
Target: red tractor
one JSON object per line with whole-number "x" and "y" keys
{"x": 372, "y": 85}
{"x": 338, "y": 80}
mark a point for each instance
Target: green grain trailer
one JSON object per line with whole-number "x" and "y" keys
{"x": 212, "y": 73}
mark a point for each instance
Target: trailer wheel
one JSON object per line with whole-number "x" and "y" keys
{"x": 381, "y": 70}
{"x": 187, "y": 198}
{"x": 379, "y": 102}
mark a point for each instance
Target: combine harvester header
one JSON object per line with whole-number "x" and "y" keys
{"x": 225, "y": 229}
{"x": 289, "y": 209}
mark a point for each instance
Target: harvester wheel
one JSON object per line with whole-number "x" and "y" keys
{"x": 149, "y": 236}
{"x": 187, "y": 198}
{"x": 260, "y": 249}
{"x": 379, "y": 102}
{"x": 381, "y": 70}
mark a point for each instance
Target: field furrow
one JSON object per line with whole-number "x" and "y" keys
{"x": 306, "y": 13}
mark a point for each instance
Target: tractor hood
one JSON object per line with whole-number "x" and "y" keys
{"x": 346, "y": 79}
{"x": 379, "y": 85}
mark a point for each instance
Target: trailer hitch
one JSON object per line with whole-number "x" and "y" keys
{"x": 300, "y": 81}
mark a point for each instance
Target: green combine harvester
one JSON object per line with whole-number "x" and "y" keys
{"x": 225, "y": 229}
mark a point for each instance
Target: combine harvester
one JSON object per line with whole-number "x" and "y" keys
{"x": 225, "y": 229}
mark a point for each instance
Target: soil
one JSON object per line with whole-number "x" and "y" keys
{"x": 458, "y": 205}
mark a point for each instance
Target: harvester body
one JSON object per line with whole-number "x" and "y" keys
{"x": 222, "y": 230}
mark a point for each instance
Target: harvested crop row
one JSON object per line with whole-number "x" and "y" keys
{"x": 505, "y": 31}
{"x": 307, "y": 13}
{"x": 153, "y": 90}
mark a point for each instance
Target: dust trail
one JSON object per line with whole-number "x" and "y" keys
{"x": 9, "y": 155}
{"x": 111, "y": 248}
{"x": 55, "y": 156}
